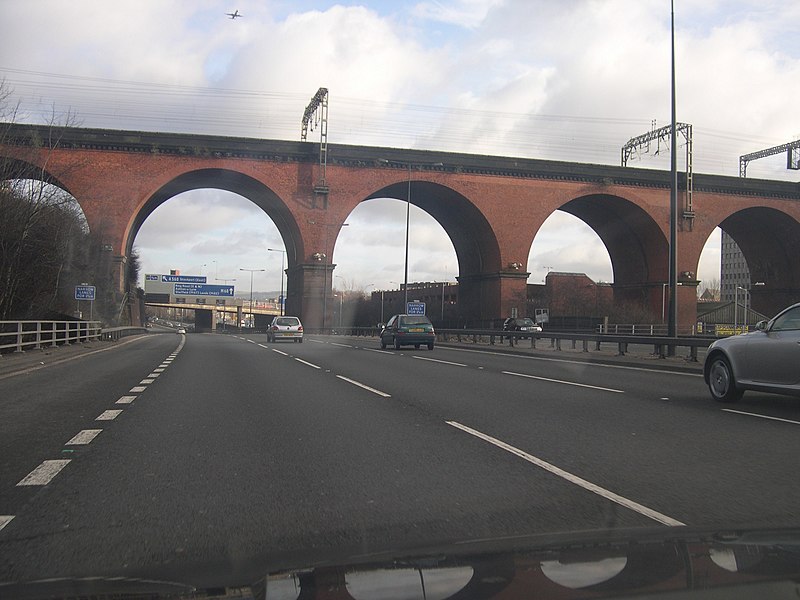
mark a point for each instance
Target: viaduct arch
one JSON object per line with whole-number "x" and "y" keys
{"x": 491, "y": 207}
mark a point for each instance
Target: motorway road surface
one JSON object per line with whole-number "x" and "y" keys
{"x": 224, "y": 452}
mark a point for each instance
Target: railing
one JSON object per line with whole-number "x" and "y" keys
{"x": 18, "y": 336}
{"x": 663, "y": 346}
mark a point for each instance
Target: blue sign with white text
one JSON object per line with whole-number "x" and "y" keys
{"x": 84, "y": 292}
{"x": 183, "y": 278}
{"x": 415, "y": 308}
{"x": 191, "y": 289}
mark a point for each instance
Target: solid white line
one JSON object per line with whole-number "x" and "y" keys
{"x": 5, "y": 520}
{"x": 306, "y": 363}
{"x": 587, "y": 485}
{"x": 594, "y": 387}
{"x": 436, "y": 360}
{"x": 125, "y": 400}
{"x": 84, "y": 437}
{"x": 739, "y": 412}
{"x": 44, "y": 473}
{"x": 341, "y": 345}
{"x": 280, "y": 352}
{"x": 366, "y": 387}
{"x": 138, "y": 389}
{"x": 573, "y": 362}
{"x": 108, "y": 415}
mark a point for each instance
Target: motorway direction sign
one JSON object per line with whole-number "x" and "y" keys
{"x": 193, "y": 289}
{"x": 84, "y": 292}
{"x": 415, "y": 308}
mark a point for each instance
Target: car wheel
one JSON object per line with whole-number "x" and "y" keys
{"x": 721, "y": 381}
{"x": 430, "y": 345}
{"x": 396, "y": 344}
{"x": 416, "y": 346}
{"x": 300, "y": 340}
{"x": 383, "y": 343}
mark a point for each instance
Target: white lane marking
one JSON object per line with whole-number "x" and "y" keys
{"x": 263, "y": 346}
{"x": 317, "y": 341}
{"x": 574, "y": 362}
{"x": 378, "y": 351}
{"x": 739, "y": 412}
{"x": 251, "y": 341}
{"x": 147, "y": 381}
{"x": 125, "y": 400}
{"x": 574, "y": 479}
{"x": 436, "y": 360}
{"x": 366, "y": 387}
{"x": 280, "y": 352}
{"x": 44, "y": 473}
{"x": 153, "y": 375}
{"x": 84, "y": 437}
{"x": 138, "y": 389}
{"x": 307, "y": 363}
{"x": 584, "y": 385}
{"x": 5, "y": 520}
{"x": 159, "y": 370}
{"x": 341, "y": 345}
{"x": 108, "y": 415}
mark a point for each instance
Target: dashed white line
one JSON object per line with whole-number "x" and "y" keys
{"x": 307, "y": 363}
{"x": 378, "y": 351}
{"x": 138, "y": 389}
{"x": 437, "y": 360}
{"x": 147, "y": 381}
{"x": 44, "y": 473}
{"x": 5, "y": 520}
{"x": 584, "y": 385}
{"x": 341, "y": 345}
{"x": 153, "y": 375}
{"x": 251, "y": 341}
{"x": 159, "y": 370}
{"x": 125, "y": 400}
{"x": 108, "y": 415}
{"x": 280, "y": 352}
{"x": 363, "y": 386}
{"x": 739, "y": 412}
{"x": 84, "y": 437}
{"x": 574, "y": 479}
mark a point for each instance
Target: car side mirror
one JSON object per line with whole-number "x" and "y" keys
{"x": 381, "y": 326}
{"x": 762, "y": 325}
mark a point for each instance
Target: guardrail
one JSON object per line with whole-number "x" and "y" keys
{"x": 18, "y": 336}
{"x": 663, "y": 346}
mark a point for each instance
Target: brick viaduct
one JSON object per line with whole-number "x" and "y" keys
{"x": 491, "y": 208}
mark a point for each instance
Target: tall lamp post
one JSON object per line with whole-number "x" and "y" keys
{"x": 283, "y": 257}
{"x": 251, "y": 271}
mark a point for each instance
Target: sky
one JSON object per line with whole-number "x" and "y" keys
{"x": 561, "y": 80}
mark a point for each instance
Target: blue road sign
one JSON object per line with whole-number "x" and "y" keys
{"x": 183, "y": 278}
{"x": 415, "y": 308}
{"x": 191, "y": 289}
{"x": 84, "y": 292}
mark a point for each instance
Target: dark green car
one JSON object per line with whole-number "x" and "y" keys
{"x": 408, "y": 330}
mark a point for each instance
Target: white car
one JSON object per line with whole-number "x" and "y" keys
{"x": 285, "y": 328}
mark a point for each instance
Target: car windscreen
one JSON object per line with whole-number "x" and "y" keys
{"x": 288, "y": 321}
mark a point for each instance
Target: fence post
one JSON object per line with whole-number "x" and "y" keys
{"x": 19, "y": 337}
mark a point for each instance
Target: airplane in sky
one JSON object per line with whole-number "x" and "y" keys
{"x": 234, "y": 14}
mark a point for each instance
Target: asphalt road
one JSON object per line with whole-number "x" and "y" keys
{"x": 232, "y": 455}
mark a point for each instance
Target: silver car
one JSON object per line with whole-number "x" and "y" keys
{"x": 285, "y": 328}
{"x": 765, "y": 360}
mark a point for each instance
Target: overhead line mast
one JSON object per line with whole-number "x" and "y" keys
{"x": 316, "y": 115}
{"x": 792, "y": 150}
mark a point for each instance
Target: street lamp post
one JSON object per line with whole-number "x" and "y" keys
{"x": 251, "y": 271}
{"x": 283, "y": 256}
